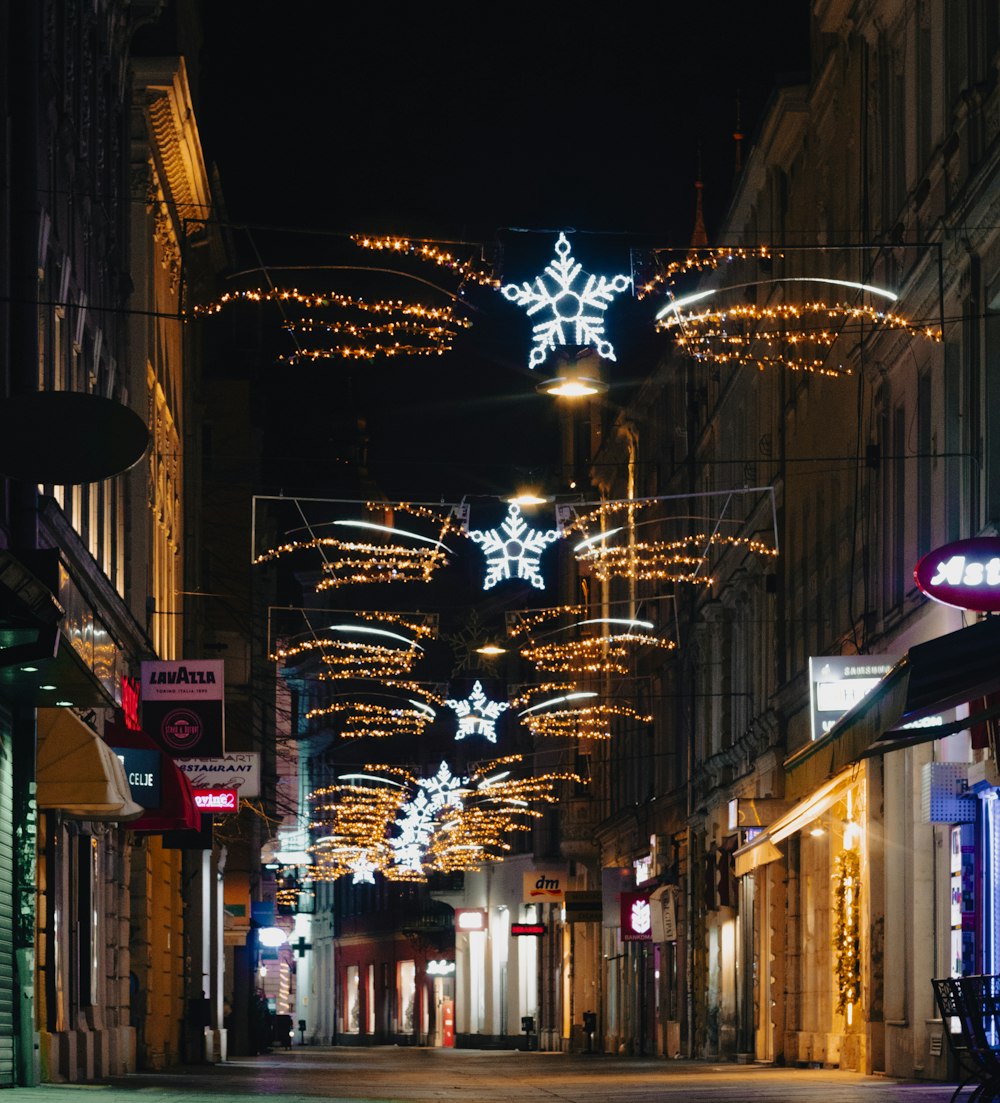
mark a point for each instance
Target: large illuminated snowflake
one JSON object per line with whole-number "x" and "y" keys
{"x": 477, "y": 714}
{"x": 518, "y": 550}
{"x": 417, "y": 817}
{"x": 576, "y": 315}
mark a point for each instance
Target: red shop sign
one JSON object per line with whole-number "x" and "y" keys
{"x": 964, "y": 575}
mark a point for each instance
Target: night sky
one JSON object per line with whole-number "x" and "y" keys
{"x": 493, "y": 124}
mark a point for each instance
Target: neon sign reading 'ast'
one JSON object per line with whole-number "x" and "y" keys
{"x": 964, "y": 574}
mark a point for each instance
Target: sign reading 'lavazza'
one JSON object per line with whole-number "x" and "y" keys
{"x": 965, "y": 574}
{"x": 182, "y": 706}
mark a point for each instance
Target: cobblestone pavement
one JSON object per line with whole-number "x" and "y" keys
{"x": 393, "y": 1075}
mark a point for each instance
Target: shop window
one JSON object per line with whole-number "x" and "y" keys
{"x": 406, "y": 996}
{"x": 352, "y": 1001}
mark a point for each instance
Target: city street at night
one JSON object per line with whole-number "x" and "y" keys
{"x": 414, "y": 1075}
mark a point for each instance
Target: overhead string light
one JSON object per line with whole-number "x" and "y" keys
{"x": 431, "y": 330}
{"x": 573, "y": 713}
{"x": 796, "y": 336}
{"x": 600, "y": 645}
{"x": 430, "y": 251}
{"x": 697, "y": 261}
{"x": 407, "y": 826}
{"x": 369, "y": 720}
{"x": 376, "y": 554}
{"x": 361, "y": 651}
{"x": 615, "y": 551}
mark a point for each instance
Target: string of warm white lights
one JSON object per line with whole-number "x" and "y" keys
{"x": 427, "y": 251}
{"x": 664, "y": 560}
{"x": 407, "y": 826}
{"x": 695, "y": 261}
{"x": 609, "y": 654}
{"x": 794, "y": 336}
{"x": 353, "y": 561}
{"x": 365, "y": 719}
{"x": 585, "y": 720}
{"x": 436, "y": 326}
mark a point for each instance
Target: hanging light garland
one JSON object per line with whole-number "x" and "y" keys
{"x": 407, "y": 826}
{"x": 435, "y": 328}
{"x": 376, "y": 655}
{"x": 794, "y": 336}
{"x": 695, "y": 261}
{"x": 684, "y": 559}
{"x": 365, "y": 719}
{"x": 579, "y": 718}
{"x": 428, "y": 251}
{"x": 602, "y": 645}
{"x": 381, "y": 558}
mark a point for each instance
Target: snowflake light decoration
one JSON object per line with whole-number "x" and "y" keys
{"x": 576, "y": 316}
{"x": 416, "y": 821}
{"x": 519, "y": 550}
{"x": 477, "y": 714}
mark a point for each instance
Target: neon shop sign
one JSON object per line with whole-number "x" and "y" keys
{"x": 964, "y": 574}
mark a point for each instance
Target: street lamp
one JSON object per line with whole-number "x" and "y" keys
{"x": 577, "y": 375}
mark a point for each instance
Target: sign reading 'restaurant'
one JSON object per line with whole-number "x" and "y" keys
{"x": 965, "y": 574}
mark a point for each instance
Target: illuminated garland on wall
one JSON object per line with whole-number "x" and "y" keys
{"x": 847, "y": 930}
{"x": 426, "y": 251}
{"x": 408, "y": 826}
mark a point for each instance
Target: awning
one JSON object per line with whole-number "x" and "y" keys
{"x": 931, "y": 678}
{"x": 177, "y": 810}
{"x": 77, "y": 773}
{"x": 763, "y": 848}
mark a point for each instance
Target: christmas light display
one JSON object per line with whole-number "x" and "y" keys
{"x": 363, "y": 869}
{"x": 365, "y": 719}
{"x": 355, "y": 562}
{"x": 575, "y": 315}
{"x": 428, "y": 251}
{"x": 346, "y": 658}
{"x": 477, "y": 714}
{"x": 701, "y": 261}
{"x": 516, "y": 553}
{"x": 584, "y": 718}
{"x": 408, "y": 826}
{"x": 435, "y": 327}
{"x": 587, "y": 652}
{"x": 796, "y": 336}
{"x": 663, "y": 560}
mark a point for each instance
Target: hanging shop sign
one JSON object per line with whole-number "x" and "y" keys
{"x": 182, "y": 706}
{"x": 544, "y": 886}
{"x": 239, "y": 770}
{"x": 964, "y": 574}
{"x": 636, "y": 917}
{"x": 838, "y": 682}
{"x": 216, "y": 800}
{"x": 142, "y": 768}
{"x": 663, "y": 914}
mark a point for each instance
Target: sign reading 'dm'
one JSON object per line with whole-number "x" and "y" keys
{"x": 964, "y": 575}
{"x": 544, "y": 886}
